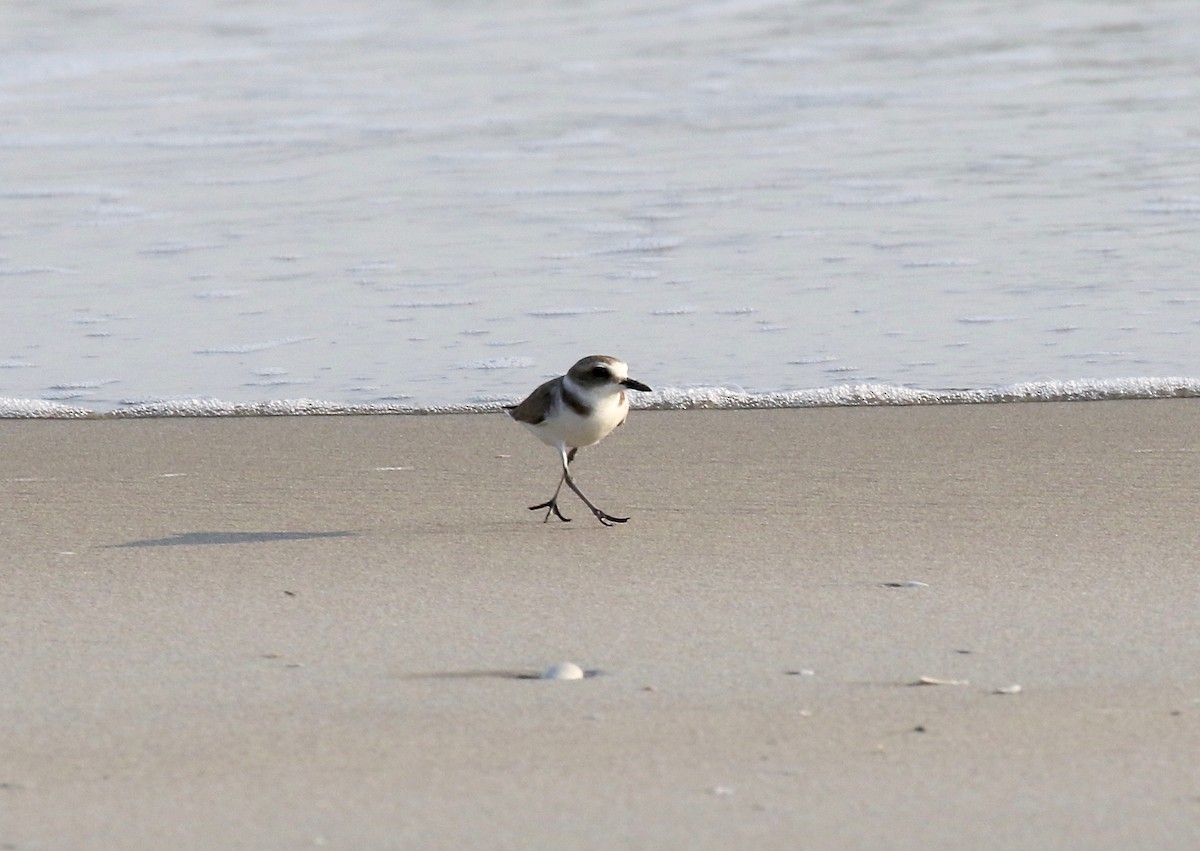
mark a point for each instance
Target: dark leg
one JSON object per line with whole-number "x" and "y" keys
{"x": 603, "y": 516}
{"x": 552, "y": 506}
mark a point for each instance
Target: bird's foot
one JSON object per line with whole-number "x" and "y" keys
{"x": 551, "y": 508}
{"x": 606, "y": 518}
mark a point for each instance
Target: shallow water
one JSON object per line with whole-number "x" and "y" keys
{"x": 425, "y": 205}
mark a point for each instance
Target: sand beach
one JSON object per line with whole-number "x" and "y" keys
{"x": 303, "y": 632}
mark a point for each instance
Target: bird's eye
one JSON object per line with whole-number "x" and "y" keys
{"x": 599, "y": 372}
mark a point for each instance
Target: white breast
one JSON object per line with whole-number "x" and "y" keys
{"x": 569, "y": 428}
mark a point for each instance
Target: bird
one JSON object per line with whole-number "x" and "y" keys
{"x": 575, "y": 410}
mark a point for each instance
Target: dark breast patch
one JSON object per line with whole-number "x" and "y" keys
{"x": 573, "y": 402}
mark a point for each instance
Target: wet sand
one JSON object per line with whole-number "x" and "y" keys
{"x": 318, "y": 632}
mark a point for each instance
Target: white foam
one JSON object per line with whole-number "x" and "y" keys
{"x": 890, "y": 395}
{"x": 557, "y": 312}
{"x": 247, "y": 348}
{"x": 439, "y": 303}
{"x": 649, "y": 244}
{"x": 13, "y": 271}
{"x": 666, "y": 399}
{"x": 499, "y": 363}
{"x": 39, "y": 409}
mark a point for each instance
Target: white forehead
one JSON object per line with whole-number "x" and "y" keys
{"x": 615, "y": 370}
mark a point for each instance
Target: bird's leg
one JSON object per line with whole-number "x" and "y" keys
{"x": 552, "y": 506}
{"x": 603, "y": 516}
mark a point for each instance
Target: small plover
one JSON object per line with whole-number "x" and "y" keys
{"x": 575, "y": 410}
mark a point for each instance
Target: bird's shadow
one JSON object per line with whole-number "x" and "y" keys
{"x": 192, "y": 539}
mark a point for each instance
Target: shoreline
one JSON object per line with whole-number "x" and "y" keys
{"x": 663, "y": 399}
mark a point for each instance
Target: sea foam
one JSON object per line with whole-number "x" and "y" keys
{"x": 666, "y": 399}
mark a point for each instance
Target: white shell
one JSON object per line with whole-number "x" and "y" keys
{"x": 563, "y": 671}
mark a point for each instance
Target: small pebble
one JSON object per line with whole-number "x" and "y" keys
{"x": 563, "y": 671}
{"x": 907, "y": 583}
{"x": 1012, "y": 689}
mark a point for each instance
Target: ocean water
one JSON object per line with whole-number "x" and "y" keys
{"x": 281, "y": 207}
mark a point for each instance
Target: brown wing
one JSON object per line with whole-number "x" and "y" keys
{"x": 533, "y": 409}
